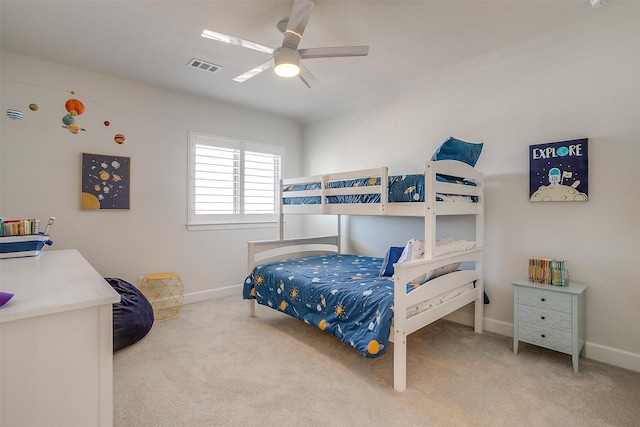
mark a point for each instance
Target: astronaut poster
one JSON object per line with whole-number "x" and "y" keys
{"x": 558, "y": 171}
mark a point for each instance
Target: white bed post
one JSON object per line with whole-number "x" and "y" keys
{"x": 478, "y": 324}
{"x": 251, "y": 255}
{"x": 339, "y": 234}
{"x": 429, "y": 212}
{"x": 384, "y": 192}
{"x": 279, "y": 211}
{"x": 252, "y": 307}
{"x": 399, "y": 335}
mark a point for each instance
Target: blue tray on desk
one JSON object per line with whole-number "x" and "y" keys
{"x": 21, "y": 246}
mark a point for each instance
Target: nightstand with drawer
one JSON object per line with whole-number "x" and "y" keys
{"x": 549, "y": 316}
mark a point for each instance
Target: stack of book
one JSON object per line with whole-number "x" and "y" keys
{"x": 548, "y": 271}
{"x": 560, "y": 272}
{"x": 19, "y": 227}
{"x": 22, "y": 237}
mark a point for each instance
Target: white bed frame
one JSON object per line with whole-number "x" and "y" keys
{"x": 260, "y": 252}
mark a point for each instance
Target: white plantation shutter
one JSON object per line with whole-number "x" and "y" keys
{"x": 232, "y": 181}
{"x": 261, "y": 176}
{"x": 216, "y": 187}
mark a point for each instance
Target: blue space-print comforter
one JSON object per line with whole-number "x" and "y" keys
{"x": 339, "y": 294}
{"x": 402, "y": 188}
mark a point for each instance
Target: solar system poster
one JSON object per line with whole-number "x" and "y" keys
{"x": 105, "y": 182}
{"x": 558, "y": 171}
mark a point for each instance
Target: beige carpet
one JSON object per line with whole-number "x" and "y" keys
{"x": 213, "y": 365}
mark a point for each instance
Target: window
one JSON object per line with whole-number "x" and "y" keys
{"x": 232, "y": 181}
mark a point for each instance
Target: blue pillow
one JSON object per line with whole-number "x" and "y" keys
{"x": 392, "y": 256}
{"x": 455, "y": 149}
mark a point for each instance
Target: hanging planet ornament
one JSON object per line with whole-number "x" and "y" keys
{"x": 68, "y": 120}
{"x": 74, "y": 107}
{"x": 33, "y": 107}
{"x": 15, "y": 114}
{"x": 74, "y": 129}
{"x": 119, "y": 138}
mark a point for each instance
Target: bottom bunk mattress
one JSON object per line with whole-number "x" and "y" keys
{"x": 340, "y": 294}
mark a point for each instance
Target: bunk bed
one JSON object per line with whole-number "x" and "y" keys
{"x": 351, "y": 296}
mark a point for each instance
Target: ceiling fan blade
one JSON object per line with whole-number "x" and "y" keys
{"x": 306, "y": 76}
{"x": 300, "y": 13}
{"x": 333, "y": 52}
{"x": 254, "y": 71}
{"x": 224, "y": 38}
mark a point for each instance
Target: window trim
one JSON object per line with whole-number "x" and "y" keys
{"x": 197, "y": 224}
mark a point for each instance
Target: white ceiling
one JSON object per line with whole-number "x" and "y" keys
{"x": 152, "y": 42}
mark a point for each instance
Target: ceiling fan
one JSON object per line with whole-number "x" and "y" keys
{"x": 286, "y": 58}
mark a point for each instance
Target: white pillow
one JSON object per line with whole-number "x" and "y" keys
{"x": 454, "y": 246}
{"x": 437, "y": 272}
{"x": 414, "y": 249}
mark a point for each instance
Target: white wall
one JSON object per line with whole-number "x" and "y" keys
{"x": 40, "y": 170}
{"x": 582, "y": 81}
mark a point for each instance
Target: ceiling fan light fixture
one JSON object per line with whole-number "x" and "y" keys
{"x": 285, "y": 69}
{"x": 287, "y": 62}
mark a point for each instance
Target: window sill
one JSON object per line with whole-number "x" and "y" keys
{"x": 231, "y": 226}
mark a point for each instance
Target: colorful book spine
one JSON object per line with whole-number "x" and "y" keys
{"x": 560, "y": 272}
{"x": 548, "y": 271}
{"x": 19, "y": 227}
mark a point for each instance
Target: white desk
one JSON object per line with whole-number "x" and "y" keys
{"x": 56, "y": 342}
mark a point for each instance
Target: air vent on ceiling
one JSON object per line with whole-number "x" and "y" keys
{"x": 204, "y": 65}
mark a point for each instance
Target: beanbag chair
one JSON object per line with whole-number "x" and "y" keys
{"x": 132, "y": 316}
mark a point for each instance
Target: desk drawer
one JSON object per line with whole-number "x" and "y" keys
{"x": 546, "y": 337}
{"x": 545, "y": 299}
{"x": 545, "y": 318}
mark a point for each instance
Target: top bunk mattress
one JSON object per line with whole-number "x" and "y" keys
{"x": 401, "y": 188}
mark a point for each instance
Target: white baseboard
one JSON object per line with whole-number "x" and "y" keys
{"x": 609, "y": 355}
{"x": 212, "y": 294}
{"x": 498, "y": 327}
{"x": 461, "y": 317}
{"x": 612, "y": 356}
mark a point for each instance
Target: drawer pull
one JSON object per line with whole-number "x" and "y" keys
{"x": 542, "y": 317}
{"x": 542, "y": 299}
{"x": 543, "y": 336}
